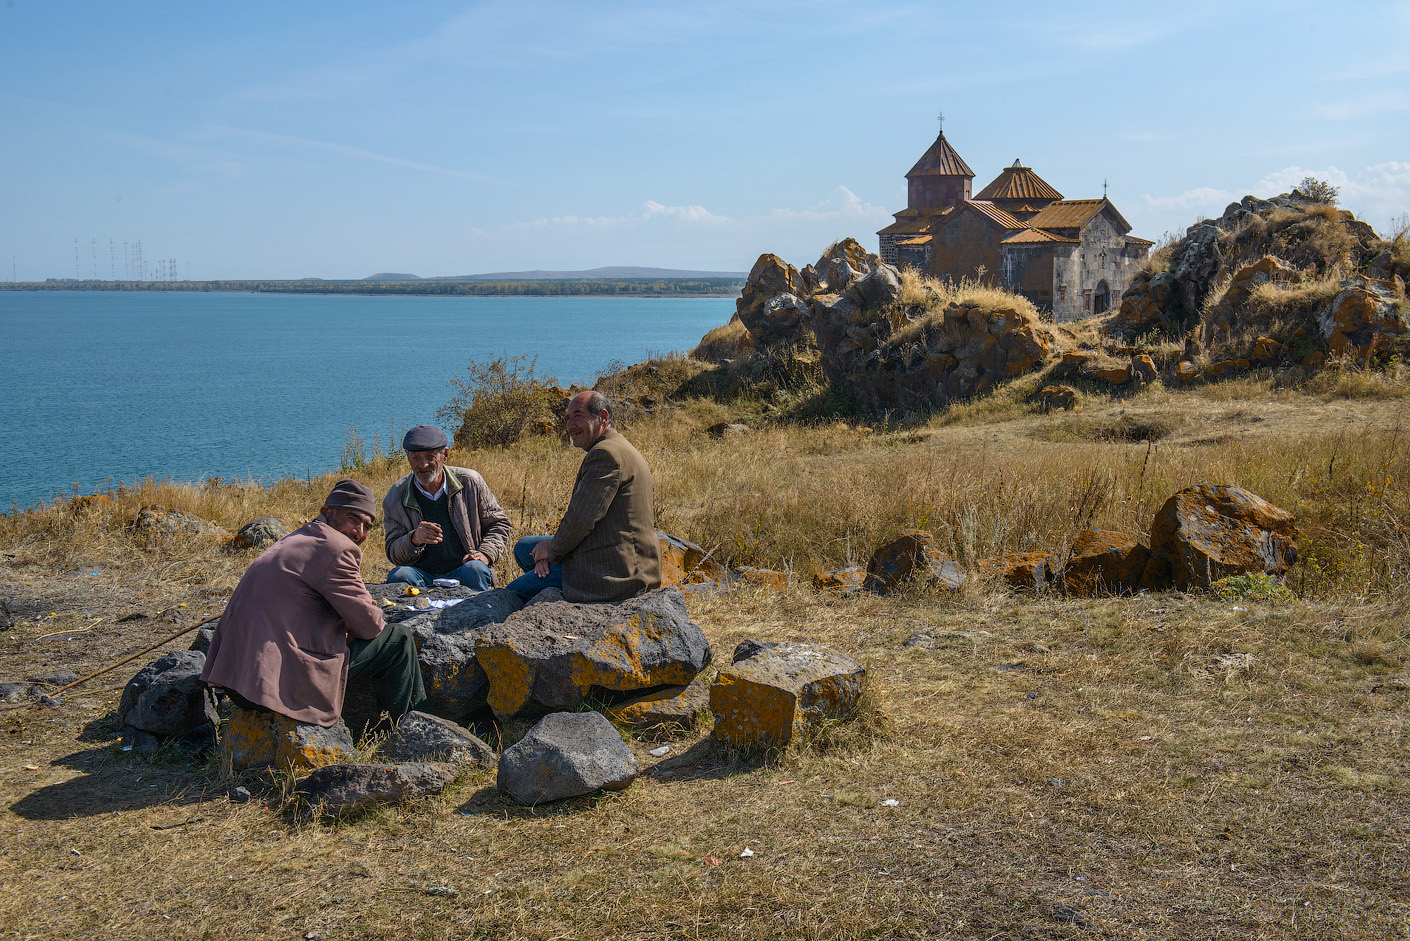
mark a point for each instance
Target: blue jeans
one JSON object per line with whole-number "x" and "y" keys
{"x": 529, "y": 584}
{"x": 474, "y": 575}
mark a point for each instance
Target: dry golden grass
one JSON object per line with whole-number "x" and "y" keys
{"x": 1166, "y": 766}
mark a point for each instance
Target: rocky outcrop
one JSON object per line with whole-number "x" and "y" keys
{"x": 1363, "y": 313}
{"x": 770, "y": 278}
{"x": 773, "y": 693}
{"x": 167, "y": 702}
{"x": 348, "y": 788}
{"x": 567, "y": 754}
{"x": 912, "y": 559}
{"x": 456, "y": 685}
{"x": 552, "y": 656}
{"x": 1205, "y": 533}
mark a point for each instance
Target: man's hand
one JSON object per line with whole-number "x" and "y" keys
{"x": 477, "y": 556}
{"x": 541, "y": 558}
{"x": 426, "y": 534}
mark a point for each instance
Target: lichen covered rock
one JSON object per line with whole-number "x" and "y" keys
{"x": 1103, "y": 562}
{"x": 1204, "y": 533}
{"x": 778, "y": 691}
{"x": 912, "y": 559}
{"x": 255, "y": 739}
{"x": 552, "y": 656}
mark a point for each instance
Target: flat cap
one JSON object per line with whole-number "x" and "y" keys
{"x": 353, "y": 495}
{"x": 424, "y": 438}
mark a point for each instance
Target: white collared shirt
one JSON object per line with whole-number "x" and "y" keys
{"x": 431, "y": 496}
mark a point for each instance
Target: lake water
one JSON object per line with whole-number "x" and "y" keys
{"x": 101, "y": 388}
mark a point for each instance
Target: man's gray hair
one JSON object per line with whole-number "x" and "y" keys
{"x": 597, "y": 403}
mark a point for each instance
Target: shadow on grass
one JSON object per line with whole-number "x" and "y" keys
{"x": 109, "y": 784}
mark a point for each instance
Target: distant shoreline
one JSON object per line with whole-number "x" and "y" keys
{"x": 625, "y": 287}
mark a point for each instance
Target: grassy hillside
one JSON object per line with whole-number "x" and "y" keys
{"x": 1164, "y": 766}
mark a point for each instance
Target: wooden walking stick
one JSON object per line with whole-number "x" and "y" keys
{"x": 127, "y": 659}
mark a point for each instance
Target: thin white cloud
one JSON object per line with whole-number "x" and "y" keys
{"x": 357, "y": 153}
{"x": 695, "y": 215}
{"x": 844, "y": 204}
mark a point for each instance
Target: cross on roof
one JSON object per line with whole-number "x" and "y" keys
{"x": 940, "y": 116}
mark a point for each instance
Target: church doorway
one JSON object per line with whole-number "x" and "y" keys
{"x": 1101, "y": 299}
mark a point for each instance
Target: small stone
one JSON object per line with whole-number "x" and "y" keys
{"x": 442, "y": 891}
{"x": 240, "y": 795}
{"x": 14, "y": 692}
{"x": 58, "y": 678}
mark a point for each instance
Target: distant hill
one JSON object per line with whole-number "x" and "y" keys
{"x": 614, "y": 273}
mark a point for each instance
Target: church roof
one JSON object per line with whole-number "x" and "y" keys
{"x": 1074, "y": 214}
{"x": 1038, "y": 237}
{"x": 941, "y": 160}
{"x": 994, "y": 213}
{"x": 1018, "y": 182}
{"x": 918, "y": 240}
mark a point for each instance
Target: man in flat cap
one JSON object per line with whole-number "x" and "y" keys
{"x": 301, "y": 623}
{"x": 440, "y": 521}
{"x": 606, "y": 548}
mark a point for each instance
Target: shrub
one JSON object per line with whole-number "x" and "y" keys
{"x": 499, "y": 400}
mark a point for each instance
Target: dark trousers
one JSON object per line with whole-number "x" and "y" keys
{"x": 389, "y": 661}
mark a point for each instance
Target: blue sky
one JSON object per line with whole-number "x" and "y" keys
{"x": 282, "y": 140}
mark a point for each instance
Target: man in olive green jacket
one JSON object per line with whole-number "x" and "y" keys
{"x": 606, "y": 548}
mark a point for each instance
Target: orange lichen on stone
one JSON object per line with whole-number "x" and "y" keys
{"x": 840, "y": 579}
{"x": 1112, "y": 375}
{"x": 257, "y": 739}
{"x": 1029, "y": 570}
{"x": 773, "y": 695}
{"x": 684, "y": 562}
{"x": 511, "y": 679}
{"x": 765, "y": 579}
{"x": 1103, "y": 562}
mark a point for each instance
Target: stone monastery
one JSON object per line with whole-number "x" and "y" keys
{"x": 1072, "y": 257}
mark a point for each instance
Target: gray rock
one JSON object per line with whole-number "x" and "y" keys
{"x": 167, "y": 699}
{"x": 456, "y": 686}
{"x": 203, "y": 639}
{"x": 14, "y": 692}
{"x": 749, "y": 648}
{"x": 154, "y": 522}
{"x": 259, "y": 533}
{"x": 545, "y": 596}
{"x": 567, "y": 754}
{"x": 347, "y": 788}
{"x": 879, "y": 289}
{"x": 727, "y": 430}
{"x": 422, "y": 737}
{"x": 240, "y": 795}
{"x": 256, "y": 739}
{"x": 58, "y": 678}
{"x": 552, "y": 656}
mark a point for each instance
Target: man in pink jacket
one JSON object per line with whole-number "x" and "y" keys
{"x": 301, "y": 622}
